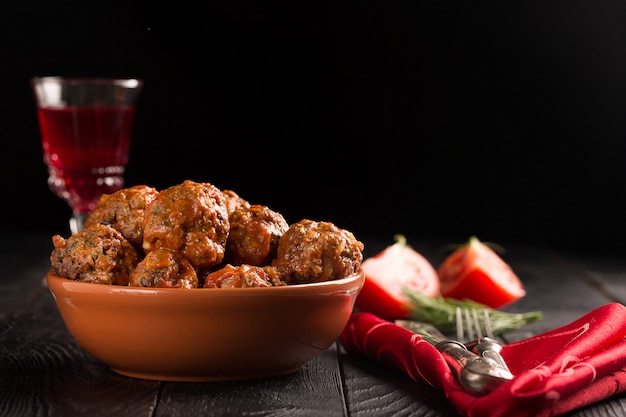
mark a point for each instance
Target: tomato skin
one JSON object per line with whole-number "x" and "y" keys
{"x": 388, "y": 274}
{"x": 476, "y": 272}
{"x": 374, "y": 299}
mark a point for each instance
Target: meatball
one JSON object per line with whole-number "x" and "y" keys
{"x": 233, "y": 201}
{"x": 243, "y": 276}
{"x": 190, "y": 217}
{"x": 97, "y": 254}
{"x": 311, "y": 251}
{"x": 124, "y": 210}
{"x": 164, "y": 268}
{"x": 254, "y": 234}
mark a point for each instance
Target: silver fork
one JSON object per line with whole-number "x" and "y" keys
{"x": 484, "y": 345}
{"x": 477, "y": 363}
{"x": 468, "y": 358}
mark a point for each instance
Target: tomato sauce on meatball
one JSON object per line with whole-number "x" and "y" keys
{"x": 164, "y": 268}
{"x": 254, "y": 234}
{"x": 234, "y": 201}
{"x": 243, "y": 276}
{"x": 190, "y": 217}
{"x": 124, "y": 210}
{"x": 311, "y": 251}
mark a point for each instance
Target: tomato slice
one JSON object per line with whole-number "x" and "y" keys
{"x": 476, "y": 272}
{"x": 388, "y": 274}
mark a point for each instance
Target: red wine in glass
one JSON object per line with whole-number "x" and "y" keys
{"x": 86, "y": 127}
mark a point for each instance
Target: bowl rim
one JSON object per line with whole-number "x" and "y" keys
{"x": 356, "y": 279}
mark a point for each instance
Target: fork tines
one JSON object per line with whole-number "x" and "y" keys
{"x": 472, "y": 328}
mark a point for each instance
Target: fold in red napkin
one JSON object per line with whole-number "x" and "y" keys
{"x": 555, "y": 372}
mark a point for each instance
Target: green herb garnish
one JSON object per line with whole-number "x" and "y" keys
{"x": 441, "y": 313}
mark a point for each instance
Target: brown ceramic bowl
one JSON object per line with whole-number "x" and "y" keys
{"x": 202, "y": 334}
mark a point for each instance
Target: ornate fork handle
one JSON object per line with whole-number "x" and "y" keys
{"x": 476, "y": 373}
{"x": 489, "y": 348}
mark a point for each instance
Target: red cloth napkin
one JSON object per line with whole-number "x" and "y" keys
{"x": 555, "y": 372}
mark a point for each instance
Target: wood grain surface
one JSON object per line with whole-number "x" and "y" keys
{"x": 43, "y": 372}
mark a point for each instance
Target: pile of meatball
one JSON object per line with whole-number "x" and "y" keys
{"x": 194, "y": 235}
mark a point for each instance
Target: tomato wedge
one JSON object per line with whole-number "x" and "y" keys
{"x": 388, "y": 274}
{"x": 476, "y": 272}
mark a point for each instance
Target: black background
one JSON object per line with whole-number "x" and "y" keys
{"x": 502, "y": 119}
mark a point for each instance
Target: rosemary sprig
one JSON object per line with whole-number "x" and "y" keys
{"x": 441, "y": 313}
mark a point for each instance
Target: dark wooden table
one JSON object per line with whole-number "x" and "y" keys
{"x": 43, "y": 372}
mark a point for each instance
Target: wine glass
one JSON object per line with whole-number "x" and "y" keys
{"x": 86, "y": 126}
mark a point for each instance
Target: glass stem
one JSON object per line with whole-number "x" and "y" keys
{"x": 77, "y": 221}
